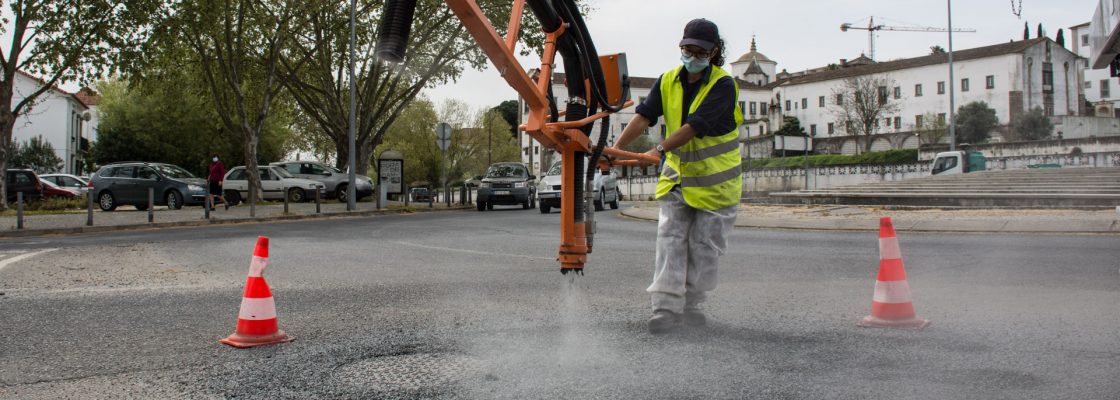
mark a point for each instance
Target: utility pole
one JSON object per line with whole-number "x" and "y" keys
{"x": 489, "y": 149}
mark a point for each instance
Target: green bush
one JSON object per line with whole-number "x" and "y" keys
{"x": 879, "y": 157}
{"x": 55, "y": 204}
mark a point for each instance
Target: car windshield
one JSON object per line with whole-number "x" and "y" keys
{"x": 555, "y": 170}
{"x": 506, "y": 171}
{"x": 172, "y": 171}
{"x": 283, "y": 173}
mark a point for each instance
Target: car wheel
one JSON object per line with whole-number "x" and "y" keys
{"x": 525, "y": 205}
{"x": 599, "y": 203}
{"x": 106, "y": 201}
{"x": 296, "y": 195}
{"x": 614, "y": 203}
{"x": 341, "y": 193}
{"x": 174, "y": 200}
{"x": 481, "y": 206}
{"x": 233, "y": 197}
{"x": 532, "y": 201}
{"x": 545, "y": 209}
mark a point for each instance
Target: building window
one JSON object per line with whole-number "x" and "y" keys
{"x": 884, "y": 95}
{"x": 813, "y": 129}
{"x": 831, "y": 128}
{"x": 859, "y": 97}
{"x": 917, "y": 121}
{"x": 918, "y": 90}
{"x": 1104, "y": 89}
{"x": 839, "y": 99}
{"x": 941, "y": 118}
{"x": 763, "y": 107}
{"x": 887, "y": 122}
{"x": 964, "y": 85}
{"x": 804, "y": 103}
{"x": 788, "y": 105}
{"x": 743, "y": 107}
{"x": 941, "y": 87}
{"x": 1088, "y": 84}
{"x": 821, "y": 101}
{"x": 898, "y": 92}
{"x": 754, "y": 108}
{"x": 897, "y": 123}
{"x": 1085, "y": 40}
{"x": 990, "y": 82}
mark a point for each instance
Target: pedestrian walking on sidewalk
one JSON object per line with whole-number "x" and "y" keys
{"x": 700, "y": 183}
{"x": 215, "y": 179}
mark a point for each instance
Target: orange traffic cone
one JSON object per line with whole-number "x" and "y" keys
{"x": 256, "y": 322}
{"x": 891, "y": 306}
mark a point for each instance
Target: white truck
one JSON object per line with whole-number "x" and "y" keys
{"x": 957, "y": 162}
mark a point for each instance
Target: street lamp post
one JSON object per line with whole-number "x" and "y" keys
{"x": 350, "y": 203}
{"x": 952, "y": 91}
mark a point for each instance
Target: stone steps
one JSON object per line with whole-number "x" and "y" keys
{"x": 1069, "y": 187}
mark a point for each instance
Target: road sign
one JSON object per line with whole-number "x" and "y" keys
{"x": 443, "y": 135}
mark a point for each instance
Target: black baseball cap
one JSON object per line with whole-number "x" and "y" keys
{"x": 701, "y": 32}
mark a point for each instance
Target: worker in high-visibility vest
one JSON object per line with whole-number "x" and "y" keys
{"x": 700, "y": 182}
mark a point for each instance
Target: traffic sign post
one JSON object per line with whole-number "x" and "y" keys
{"x": 443, "y": 139}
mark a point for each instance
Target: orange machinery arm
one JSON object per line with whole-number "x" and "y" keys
{"x": 566, "y": 137}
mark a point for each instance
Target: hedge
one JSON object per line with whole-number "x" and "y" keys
{"x": 879, "y": 157}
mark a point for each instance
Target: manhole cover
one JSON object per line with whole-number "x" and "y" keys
{"x": 408, "y": 372}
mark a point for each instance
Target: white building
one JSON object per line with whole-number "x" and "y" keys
{"x": 1098, "y": 87}
{"x": 58, "y": 116}
{"x": 1011, "y": 78}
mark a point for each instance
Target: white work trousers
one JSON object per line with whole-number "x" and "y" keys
{"x": 689, "y": 243}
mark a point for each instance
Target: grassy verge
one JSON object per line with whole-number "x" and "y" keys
{"x": 54, "y": 205}
{"x": 823, "y": 160}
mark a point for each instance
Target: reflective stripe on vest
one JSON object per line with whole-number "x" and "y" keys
{"x": 708, "y": 168}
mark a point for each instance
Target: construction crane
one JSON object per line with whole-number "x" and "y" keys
{"x": 871, "y": 28}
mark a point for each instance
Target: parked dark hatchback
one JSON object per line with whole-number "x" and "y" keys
{"x": 23, "y": 180}
{"x": 127, "y": 184}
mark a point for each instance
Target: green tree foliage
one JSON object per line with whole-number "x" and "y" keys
{"x": 975, "y": 122}
{"x": 1033, "y": 125}
{"x": 1061, "y": 38}
{"x": 936, "y": 49}
{"x": 438, "y": 51}
{"x": 171, "y": 118}
{"x": 1026, "y": 31}
{"x": 508, "y": 110}
{"x": 791, "y": 126}
{"x": 64, "y": 41}
{"x": 933, "y": 129}
{"x": 35, "y": 154}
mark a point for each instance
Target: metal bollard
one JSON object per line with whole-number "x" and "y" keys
{"x": 407, "y": 194}
{"x": 89, "y": 208}
{"x": 431, "y": 198}
{"x": 317, "y": 209}
{"x": 209, "y": 202}
{"x": 286, "y": 201}
{"x": 151, "y": 203}
{"x": 19, "y": 210}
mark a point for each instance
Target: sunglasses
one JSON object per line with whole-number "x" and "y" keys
{"x": 688, "y": 52}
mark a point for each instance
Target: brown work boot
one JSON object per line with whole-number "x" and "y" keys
{"x": 664, "y": 321}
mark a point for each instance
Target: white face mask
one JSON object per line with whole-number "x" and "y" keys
{"x": 215, "y": 159}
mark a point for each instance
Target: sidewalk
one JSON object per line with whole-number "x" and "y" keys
{"x": 128, "y": 218}
{"x": 858, "y": 218}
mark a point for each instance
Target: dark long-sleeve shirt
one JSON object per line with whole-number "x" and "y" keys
{"x": 714, "y": 117}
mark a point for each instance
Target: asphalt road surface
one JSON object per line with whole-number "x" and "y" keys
{"x": 471, "y": 305}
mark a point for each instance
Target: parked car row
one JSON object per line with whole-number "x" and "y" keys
{"x": 35, "y": 187}
{"x": 127, "y": 183}
{"x": 510, "y": 183}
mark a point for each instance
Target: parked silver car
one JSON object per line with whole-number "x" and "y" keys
{"x": 605, "y": 187}
{"x": 335, "y": 181}
{"x": 275, "y": 184}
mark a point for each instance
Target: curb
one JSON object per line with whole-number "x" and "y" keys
{"x": 204, "y": 222}
{"x": 929, "y": 226}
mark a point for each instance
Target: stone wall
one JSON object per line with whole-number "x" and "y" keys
{"x": 1077, "y": 127}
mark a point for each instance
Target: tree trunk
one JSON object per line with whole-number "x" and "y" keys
{"x": 7, "y": 124}
{"x": 251, "y": 140}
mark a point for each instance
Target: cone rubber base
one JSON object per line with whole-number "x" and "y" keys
{"x": 244, "y": 342}
{"x": 913, "y": 323}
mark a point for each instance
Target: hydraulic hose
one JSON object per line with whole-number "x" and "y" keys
{"x": 393, "y": 31}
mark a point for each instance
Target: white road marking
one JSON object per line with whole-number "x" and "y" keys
{"x": 9, "y": 261}
{"x": 487, "y": 253}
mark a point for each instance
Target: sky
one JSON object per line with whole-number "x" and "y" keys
{"x": 797, "y": 34}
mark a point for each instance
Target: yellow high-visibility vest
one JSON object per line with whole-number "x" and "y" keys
{"x": 708, "y": 168}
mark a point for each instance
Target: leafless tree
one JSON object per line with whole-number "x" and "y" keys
{"x": 861, "y": 102}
